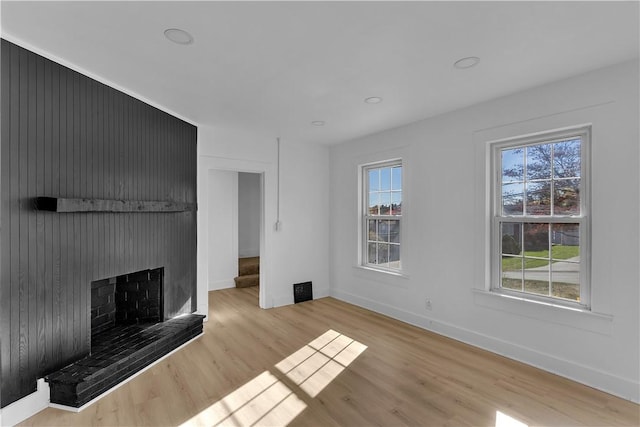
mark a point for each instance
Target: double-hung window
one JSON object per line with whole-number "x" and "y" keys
{"x": 540, "y": 227}
{"x": 382, "y": 215}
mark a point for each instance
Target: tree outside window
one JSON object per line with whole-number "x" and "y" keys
{"x": 540, "y": 216}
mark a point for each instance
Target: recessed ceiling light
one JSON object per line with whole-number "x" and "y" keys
{"x": 468, "y": 62}
{"x": 318, "y": 123}
{"x": 179, "y": 36}
{"x": 373, "y": 100}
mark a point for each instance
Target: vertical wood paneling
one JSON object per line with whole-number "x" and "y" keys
{"x": 46, "y": 244}
{"x": 66, "y": 135}
{"x": 120, "y": 178}
{"x": 54, "y": 255}
{"x": 109, "y": 162}
{"x": 23, "y": 227}
{"x": 73, "y": 183}
{"x": 97, "y": 168}
{"x": 40, "y": 239}
{"x": 63, "y": 220}
{"x": 85, "y": 260}
{"x": 14, "y": 206}
{"x": 145, "y": 147}
{"x": 94, "y": 169}
{"x": 5, "y": 217}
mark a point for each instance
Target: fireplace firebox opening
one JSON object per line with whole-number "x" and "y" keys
{"x": 129, "y": 299}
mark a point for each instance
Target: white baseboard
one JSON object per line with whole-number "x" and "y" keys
{"x": 287, "y": 299}
{"x": 321, "y": 293}
{"x": 30, "y": 405}
{"x": 609, "y": 383}
{"x": 281, "y": 300}
{"x": 222, "y": 284}
{"x": 203, "y": 308}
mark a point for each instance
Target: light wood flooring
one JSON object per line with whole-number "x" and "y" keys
{"x": 272, "y": 367}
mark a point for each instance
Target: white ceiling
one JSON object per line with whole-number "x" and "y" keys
{"x": 272, "y": 68}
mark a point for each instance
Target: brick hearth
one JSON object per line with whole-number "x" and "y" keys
{"x": 117, "y": 354}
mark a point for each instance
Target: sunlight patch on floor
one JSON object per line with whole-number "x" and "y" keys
{"x": 315, "y": 365}
{"x": 265, "y": 400}
{"x": 504, "y": 420}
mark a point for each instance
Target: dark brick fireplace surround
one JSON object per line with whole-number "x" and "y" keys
{"x": 127, "y": 334}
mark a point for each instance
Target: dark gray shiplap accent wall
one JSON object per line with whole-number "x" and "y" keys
{"x": 66, "y": 135}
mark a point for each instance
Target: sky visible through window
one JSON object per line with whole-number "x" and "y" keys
{"x": 527, "y": 175}
{"x": 385, "y": 190}
{"x": 381, "y": 179}
{"x": 382, "y": 222}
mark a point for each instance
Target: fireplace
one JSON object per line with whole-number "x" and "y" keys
{"x": 134, "y": 298}
{"x": 112, "y": 190}
{"x": 128, "y": 333}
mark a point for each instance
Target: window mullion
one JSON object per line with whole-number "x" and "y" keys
{"x": 522, "y": 260}
{"x": 539, "y": 156}
{"x": 380, "y": 170}
{"x": 549, "y": 258}
{"x": 524, "y": 184}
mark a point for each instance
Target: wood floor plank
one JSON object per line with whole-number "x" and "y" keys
{"x": 406, "y": 376}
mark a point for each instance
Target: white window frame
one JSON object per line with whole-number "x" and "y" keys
{"x": 582, "y": 220}
{"x": 365, "y": 216}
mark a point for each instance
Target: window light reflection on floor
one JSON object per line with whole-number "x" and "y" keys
{"x": 504, "y": 420}
{"x": 315, "y": 365}
{"x": 266, "y": 400}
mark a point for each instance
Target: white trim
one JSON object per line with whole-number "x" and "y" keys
{"x": 394, "y": 273}
{"x": 495, "y": 216}
{"x": 363, "y": 215}
{"x": 26, "y": 407}
{"x": 267, "y": 174}
{"x": 618, "y": 386}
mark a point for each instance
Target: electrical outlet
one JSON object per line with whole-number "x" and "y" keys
{"x": 427, "y": 304}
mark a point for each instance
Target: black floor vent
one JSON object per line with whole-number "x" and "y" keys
{"x": 302, "y": 292}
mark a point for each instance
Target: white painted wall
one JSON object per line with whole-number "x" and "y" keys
{"x": 445, "y": 230}
{"x": 222, "y": 228}
{"x": 248, "y": 214}
{"x": 300, "y": 250}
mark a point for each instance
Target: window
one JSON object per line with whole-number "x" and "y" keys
{"x": 540, "y": 225}
{"x": 382, "y": 214}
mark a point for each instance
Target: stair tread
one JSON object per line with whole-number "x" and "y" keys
{"x": 247, "y": 280}
{"x": 248, "y": 266}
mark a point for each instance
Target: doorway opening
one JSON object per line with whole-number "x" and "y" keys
{"x": 249, "y": 220}
{"x": 235, "y": 230}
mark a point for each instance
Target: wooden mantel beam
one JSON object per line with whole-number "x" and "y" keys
{"x": 60, "y": 204}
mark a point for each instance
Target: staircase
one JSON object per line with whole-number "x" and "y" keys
{"x": 248, "y": 272}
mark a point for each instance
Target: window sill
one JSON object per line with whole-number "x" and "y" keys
{"x": 379, "y": 270}
{"x": 569, "y": 316}
{"x": 383, "y": 276}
